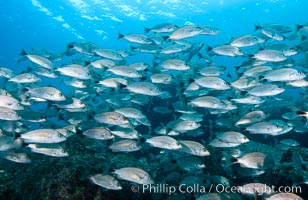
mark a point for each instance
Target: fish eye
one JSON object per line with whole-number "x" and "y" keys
{"x": 61, "y": 95}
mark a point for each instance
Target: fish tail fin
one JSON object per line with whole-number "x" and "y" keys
{"x": 121, "y": 86}
{"x": 71, "y": 45}
{"x": 209, "y": 48}
{"x": 302, "y": 113}
{"x": 237, "y": 67}
{"x": 251, "y": 55}
{"x": 120, "y": 35}
{"x": 257, "y": 26}
{"x": 132, "y": 48}
{"x": 298, "y": 27}
{"x": 166, "y": 37}
{"x": 146, "y": 30}
{"x": 25, "y": 90}
{"x": 230, "y": 160}
{"x": 257, "y": 196}
{"x": 302, "y": 37}
{"x": 87, "y": 63}
{"x": 23, "y": 52}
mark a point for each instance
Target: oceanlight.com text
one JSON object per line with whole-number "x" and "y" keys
{"x": 219, "y": 188}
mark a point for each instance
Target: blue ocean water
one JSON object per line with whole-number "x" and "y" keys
{"x": 52, "y": 24}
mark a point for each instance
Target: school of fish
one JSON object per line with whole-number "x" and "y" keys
{"x": 181, "y": 103}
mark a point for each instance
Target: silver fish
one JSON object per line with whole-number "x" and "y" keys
{"x": 255, "y": 160}
{"x": 266, "y": 90}
{"x": 99, "y": 133}
{"x": 208, "y": 102}
{"x": 43, "y": 136}
{"x": 211, "y": 71}
{"x": 284, "y": 74}
{"x": 175, "y": 48}
{"x": 161, "y": 78}
{"x": 47, "y": 93}
{"x": 209, "y": 30}
{"x": 130, "y": 113}
{"x": 246, "y": 40}
{"x": 227, "y": 50}
{"x": 125, "y": 146}
{"x": 223, "y": 144}
{"x": 45, "y": 72}
{"x": 232, "y": 137}
{"x": 270, "y": 56}
{"x": 106, "y": 181}
{"x": 111, "y": 118}
{"x": 136, "y": 38}
{"x": 245, "y": 83}
{"x": 75, "y": 71}
{"x": 193, "y": 148}
{"x": 125, "y": 71}
{"x": 174, "y": 64}
{"x": 139, "y": 66}
{"x": 127, "y": 133}
{"x": 272, "y": 33}
{"x": 25, "y": 78}
{"x": 264, "y": 127}
{"x": 10, "y": 102}
{"x": 102, "y": 63}
{"x": 9, "y": 114}
{"x": 134, "y": 174}
{"x": 8, "y": 143}
{"x": 249, "y": 100}
{"x": 55, "y": 151}
{"x": 298, "y": 83}
{"x": 7, "y": 73}
{"x": 108, "y": 53}
{"x": 144, "y": 88}
{"x": 284, "y": 196}
{"x": 186, "y": 125}
{"x": 164, "y": 142}
{"x": 162, "y": 28}
{"x": 16, "y": 157}
{"x": 39, "y": 60}
{"x": 251, "y": 117}
{"x": 113, "y": 82}
{"x": 185, "y": 32}
{"x": 212, "y": 83}
{"x": 257, "y": 71}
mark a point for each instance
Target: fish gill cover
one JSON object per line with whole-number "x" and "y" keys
{"x": 153, "y": 99}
